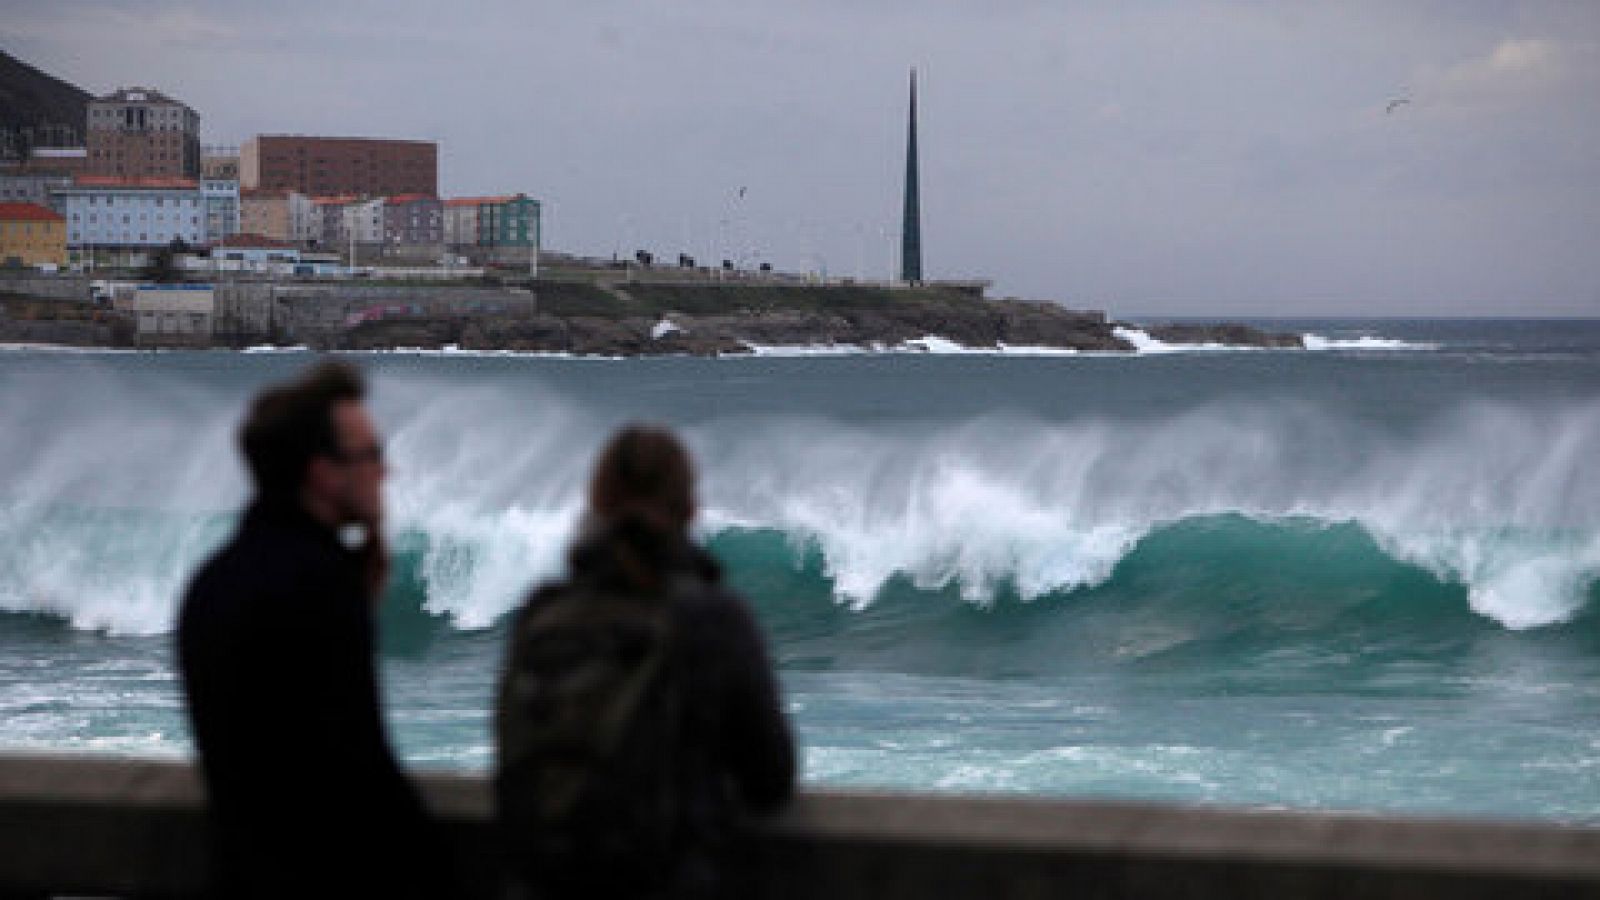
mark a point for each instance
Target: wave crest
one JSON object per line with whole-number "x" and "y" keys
{"x": 488, "y": 484}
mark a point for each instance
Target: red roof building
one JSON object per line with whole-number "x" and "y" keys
{"x": 28, "y": 212}
{"x": 32, "y": 235}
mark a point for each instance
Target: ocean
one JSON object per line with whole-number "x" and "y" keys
{"x": 1360, "y": 577}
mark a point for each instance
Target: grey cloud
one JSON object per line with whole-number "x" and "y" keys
{"x": 1197, "y": 158}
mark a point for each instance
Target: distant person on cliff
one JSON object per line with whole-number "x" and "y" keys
{"x": 275, "y": 643}
{"x": 638, "y": 720}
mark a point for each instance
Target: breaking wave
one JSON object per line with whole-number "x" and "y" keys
{"x": 1488, "y": 507}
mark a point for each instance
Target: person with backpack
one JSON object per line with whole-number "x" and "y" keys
{"x": 638, "y": 720}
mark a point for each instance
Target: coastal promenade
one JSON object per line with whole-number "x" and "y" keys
{"x": 134, "y": 828}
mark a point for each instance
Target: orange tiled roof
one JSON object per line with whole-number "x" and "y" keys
{"x": 28, "y": 212}
{"x": 410, "y": 198}
{"x": 112, "y": 181}
{"x": 479, "y": 201}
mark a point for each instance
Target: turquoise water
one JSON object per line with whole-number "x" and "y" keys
{"x": 1363, "y": 577}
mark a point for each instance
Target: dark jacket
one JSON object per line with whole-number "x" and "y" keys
{"x": 275, "y": 643}
{"x": 737, "y": 754}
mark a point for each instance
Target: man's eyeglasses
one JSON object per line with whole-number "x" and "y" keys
{"x": 372, "y": 453}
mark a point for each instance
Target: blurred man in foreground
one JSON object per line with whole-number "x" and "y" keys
{"x": 275, "y": 642}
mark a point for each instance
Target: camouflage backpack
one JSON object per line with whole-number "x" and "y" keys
{"x": 587, "y": 725}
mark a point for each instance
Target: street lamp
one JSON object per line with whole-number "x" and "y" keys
{"x": 538, "y": 237}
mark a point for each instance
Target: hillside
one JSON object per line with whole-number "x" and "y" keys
{"x": 33, "y": 100}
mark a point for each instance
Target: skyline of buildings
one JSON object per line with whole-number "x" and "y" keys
{"x": 143, "y": 179}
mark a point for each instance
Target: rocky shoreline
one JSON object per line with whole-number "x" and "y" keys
{"x": 615, "y": 320}
{"x": 981, "y": 325}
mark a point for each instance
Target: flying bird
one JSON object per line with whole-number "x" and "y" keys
{"x": 1395, "y": 104}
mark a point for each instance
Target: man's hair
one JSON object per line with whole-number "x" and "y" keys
{"x": 644, "y": 473}
{"x": 291, "y": 423}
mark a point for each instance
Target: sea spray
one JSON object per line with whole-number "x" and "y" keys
{"x": 108, "y": 509}
{"x": 1242, "y": 578}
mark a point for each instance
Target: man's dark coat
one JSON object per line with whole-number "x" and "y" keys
{"x": 275, "y": 642}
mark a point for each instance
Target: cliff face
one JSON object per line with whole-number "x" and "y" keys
{"x": 31, "y": 100}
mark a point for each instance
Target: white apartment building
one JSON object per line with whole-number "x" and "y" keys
{"x": 142, "y": 213}
{"x": 221, "y": 198}
{"x": 305, "y": 220}
{"x": 364, "y": 221}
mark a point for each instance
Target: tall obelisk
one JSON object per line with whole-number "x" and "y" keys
{"x": 911, "y": 225}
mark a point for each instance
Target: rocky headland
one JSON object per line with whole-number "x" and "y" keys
{"x": 679, "y": 320}
{"x": 628, "y": 318}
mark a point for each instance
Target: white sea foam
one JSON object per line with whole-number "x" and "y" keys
{"x": 105, "y": 513}
{"x": 455, "y": 350}
{"x": 1365, "y": 342}
{"x": 928, "y": 344}
{"x": 66, "y": 348}
{"x": 274, "y": 348}
{"x": 1146, "y": 345}
{"x": 786, "y": 350}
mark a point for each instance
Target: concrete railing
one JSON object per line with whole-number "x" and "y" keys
{"x": 135, "y": 828}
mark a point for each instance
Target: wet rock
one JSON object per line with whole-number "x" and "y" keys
{"x": 1231, "y": 335}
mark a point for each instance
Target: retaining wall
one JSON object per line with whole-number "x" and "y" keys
{"x": 135, "y": 828}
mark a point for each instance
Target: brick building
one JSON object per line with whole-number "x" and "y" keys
{"x": 324, "y": 166}
{"x": 140, "y": 133}
{"x": 31, "y": 235}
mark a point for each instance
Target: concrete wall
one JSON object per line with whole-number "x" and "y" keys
{"x": 317, "y": 313}
{"x": 135, "y": 828}
{"x": 59, "y": 287}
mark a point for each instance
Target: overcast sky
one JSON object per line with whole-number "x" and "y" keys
{"x": 1195, "y": 158}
